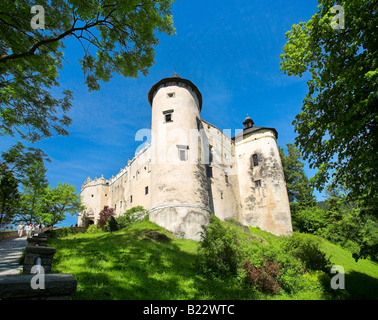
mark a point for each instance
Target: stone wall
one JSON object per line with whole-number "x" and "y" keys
{"x": 4, "y": 235}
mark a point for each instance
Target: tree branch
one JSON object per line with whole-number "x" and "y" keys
{"x": 32, "y": 50}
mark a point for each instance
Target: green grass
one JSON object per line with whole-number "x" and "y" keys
{"x": 124, "y": 265}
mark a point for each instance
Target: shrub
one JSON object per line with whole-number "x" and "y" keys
{"x": 93, "y": 229}
{"x": 306, "y": 248}
{"x": 105, "y": 214}
{"x": 131, "y": 216}
{"x": 111, "y": 225}
{"x": 123, "y": 221}
{"x": 218, "y": 249}
{"x": 310, "y": 220}
{"x": 264, "y": 278}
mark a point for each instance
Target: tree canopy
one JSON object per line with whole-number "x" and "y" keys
{"x": 114, "y": 36}
{"x": 337, "y": 127}
{"x": 298, "y": 185}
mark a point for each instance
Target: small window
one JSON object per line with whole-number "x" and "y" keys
{"x": 131, "y": 199}
{"x": 115, "y": 207}
{"x": 258, "y": 184}
{"x": 146, "y": 190}
{"x": 255, "y": 160}
{"x": 209, "y": 172}
{"x": 221, "y": 194}
{"x": 168, "y": 117}
{"x": 171, "y": 94}
{"x": 92, "y": 195}
{"x": 182, "y": 152}
{"x": 226, "y": 178}
{"x": 182, "y": 155}
{"x": 106, "y": 195}
{"x": 120, "y": 204}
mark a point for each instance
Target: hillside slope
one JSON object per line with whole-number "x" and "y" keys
{"x": 139, "y": 262}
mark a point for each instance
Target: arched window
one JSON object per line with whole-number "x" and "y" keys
{"x": 255, "y": 160}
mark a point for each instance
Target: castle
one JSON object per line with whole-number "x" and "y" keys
{"x": 191, "y": 169}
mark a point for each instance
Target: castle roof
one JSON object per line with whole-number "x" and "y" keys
{"x": 175, "y": 78}
{"x": 254, "y": 129}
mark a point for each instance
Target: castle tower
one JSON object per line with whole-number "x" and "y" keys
{"x": 179, "y": 188}
{"x": 263, "y": 193}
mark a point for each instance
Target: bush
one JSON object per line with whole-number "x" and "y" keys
{"x": 93, "y": 229}
{"x": 111, "y": 225}
{"x": 105, "y": 215}
{"x": 131, "y": 216}
{"x": 265, "y": 277}
{"x": 310, "y": 220}
{"x": 306, "y": 248}
{"x": 218, "y": 249}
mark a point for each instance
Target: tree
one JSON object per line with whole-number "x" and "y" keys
{"x": 9, "y": 195}
{"x": 34, "y": 187}
{"x": 337, "y": 127}
{"x": 14, "y": 165}
{"x": 115, "y": 36}
{"x": 60, "y": 201}
{"x": 298, "y": 186}
{"x": 105, "y": 215}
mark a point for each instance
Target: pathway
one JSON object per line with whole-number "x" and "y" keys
{"x": 10, "y": 251}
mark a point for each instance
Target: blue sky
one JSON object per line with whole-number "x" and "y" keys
{"x": 229, "y": 49}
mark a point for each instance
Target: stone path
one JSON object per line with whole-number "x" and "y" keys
{"x": 10, "y": 251}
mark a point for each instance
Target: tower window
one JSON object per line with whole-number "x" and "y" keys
{"x": 131, "y": 199}
{"x": 258, "y": 184}
{"x": 168, "y": 117}
{"x": 182, "y": 155}
{"x": 171, "y": 94}
{"x": 146, "y": 190}
{"x": 226, "y": 178}
{"x": 255, "y": 160}
{"x": 183, "y": 152}
{"x": 115, "y": 207}
{"x": 120, "y": 204}
{"x": 209, "y": 172}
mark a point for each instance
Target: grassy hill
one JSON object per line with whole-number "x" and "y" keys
{"x": 138, "y": 262}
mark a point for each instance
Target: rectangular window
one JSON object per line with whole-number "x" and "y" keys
{"x": 168, "y": 117}
{"x": 182, "y": 155}
{"x": 120, "y": 204}
{"x": 209, "y": 172}
{"x": 182, "y": 152}
{"x": 226, "y": 178}
{"x": 258, "y": 184}
{"x": 146, "y": 190}
{"x": 210, "y": 154}
{"x": 255, "y": 160}
{"x": 131, "y": 199}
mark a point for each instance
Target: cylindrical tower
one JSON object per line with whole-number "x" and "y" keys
{"x": 263, "y": 193}
{"x": 179, "y": 187}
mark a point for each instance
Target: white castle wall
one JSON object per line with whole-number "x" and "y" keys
{"x": 267, "y": 206}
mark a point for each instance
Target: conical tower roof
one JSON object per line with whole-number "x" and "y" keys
{"x": 178, "y": 79}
